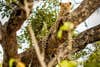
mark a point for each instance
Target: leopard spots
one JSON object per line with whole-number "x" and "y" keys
{"x": 64, "y": 8}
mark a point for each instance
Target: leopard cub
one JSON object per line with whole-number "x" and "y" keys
{"x": 65, "y": 8}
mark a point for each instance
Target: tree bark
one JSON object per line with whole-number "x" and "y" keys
{"x": 9, "y": 29}
{"x": 0, "y": 32}
{"x": 89, "y": 36}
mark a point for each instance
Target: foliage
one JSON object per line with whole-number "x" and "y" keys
{"x": 5, "y": 8}
{"x": 94, "y": 59}
{"x": 23, "y": 38}
{"x": 67, "y": 26}
{"x": 19, "y": 63}
{"x": 44, "y": 16}
{"x": 10, "y": 1}
{"x": 66, "y": 63}
{"x": 0, "y": 64}
{"x": 11, "y": 62}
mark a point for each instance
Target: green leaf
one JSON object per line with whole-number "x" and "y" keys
{"x": 64, "y": 28}
{"x": 67, "y": 26}
{"x": 59, "y": 34}
{"x": 66, "y": 63}
{"x": 1, "y": 65}
{"x": 74, "y": 33}
{"x": 10, "y": 1}
{"x": 98, "y": 42}
{"x": 11, "y": 62}
{"x": 73, "y": 63}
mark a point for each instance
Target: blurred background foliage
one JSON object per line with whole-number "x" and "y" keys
{"x": 94, "y": 59}
{"x": 44, "y": 16}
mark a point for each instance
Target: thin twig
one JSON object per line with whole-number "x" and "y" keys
{"x": 70, "y": 40}
{"x": 36, "y": 47}
{"x": 0, "y": 31}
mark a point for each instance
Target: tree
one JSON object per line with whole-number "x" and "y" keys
{"x": 43, "y": 51}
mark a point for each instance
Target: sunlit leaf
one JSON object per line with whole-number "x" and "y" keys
{"x": 0, "y": 64}
{"x": 73, "y": 63}
{"x": 66, "y": 63}
{"x": 11, "y": 62}
{"x": 20, "y": 64}
{"x": 98, "y": 42}
{"x": 74, "y": 33}
{"x": 67, "y": 26}
{"x": 59, "y": 34}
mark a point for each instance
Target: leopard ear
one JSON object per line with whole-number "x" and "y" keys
{"x": 70, "y": 3}
{"x": 60, "y": 3}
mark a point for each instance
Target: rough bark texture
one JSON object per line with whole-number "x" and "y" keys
{"x": 17, "y": 18}
{"x": 89, "y": 36}
{"x": 0, "y": 32}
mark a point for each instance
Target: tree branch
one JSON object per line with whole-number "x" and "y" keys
{"x": 86, "y": 8}
{"x": 36, "y": 47}
{"x": 0, "y": 32}
{"x": 89, "y": 36}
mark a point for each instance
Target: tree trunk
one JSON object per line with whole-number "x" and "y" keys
{"x": 21, "y": 10}
{"x": 10, "y": 48}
